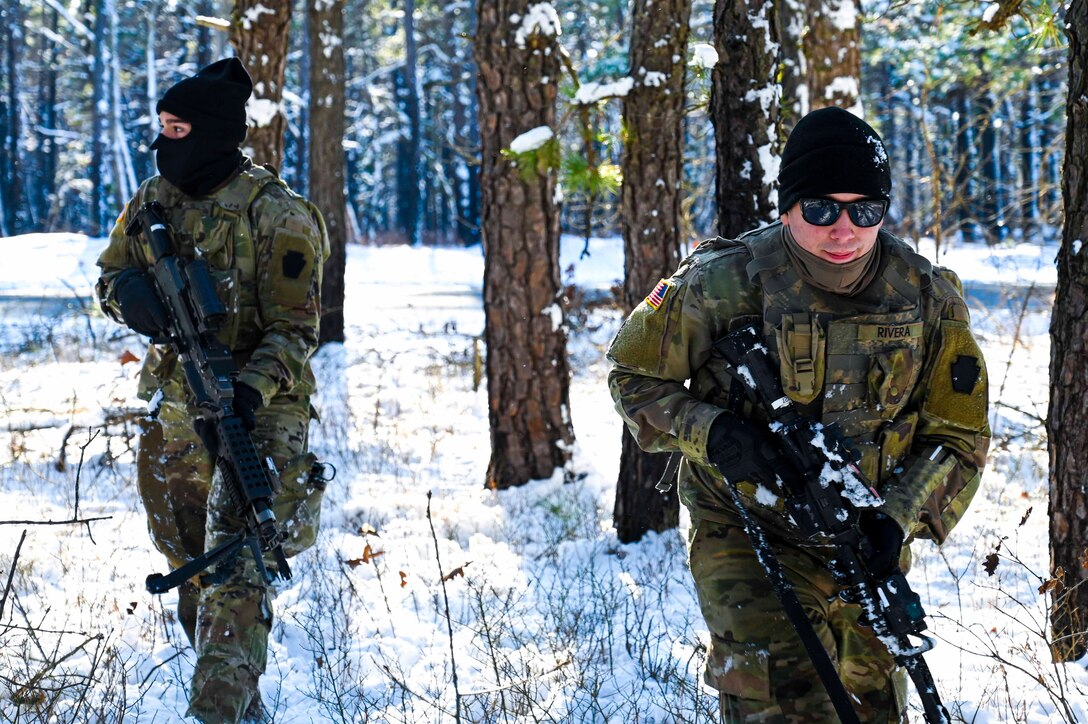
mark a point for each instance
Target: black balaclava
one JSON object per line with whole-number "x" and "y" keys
{"x": 214, "y": 102}
{"x": 832, "y": 151}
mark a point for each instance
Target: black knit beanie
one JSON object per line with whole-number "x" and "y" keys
{"x": 832, "y": 151}
{"x": 213, "y": 100}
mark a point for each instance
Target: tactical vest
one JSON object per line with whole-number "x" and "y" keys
{"x": 217, "y": 228}
{"x": 853, "y": 361}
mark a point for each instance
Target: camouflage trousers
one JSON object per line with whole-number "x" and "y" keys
{"x": 756, "y": 659}
{"x": 188, "y": 511}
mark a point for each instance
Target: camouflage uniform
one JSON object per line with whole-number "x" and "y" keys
{"x": 265, "y": 246}
{"x": 896, "y": 366}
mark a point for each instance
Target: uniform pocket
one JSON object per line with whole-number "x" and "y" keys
{"x": 802, "y": 349}
{"x": 892, "y": 374}
{"x": 227, "y": 288}
{"x": 298, "y": 504}
{"x": 895, "y": 442}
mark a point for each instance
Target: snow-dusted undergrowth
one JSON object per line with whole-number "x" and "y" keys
{"x": 548, "y": 617}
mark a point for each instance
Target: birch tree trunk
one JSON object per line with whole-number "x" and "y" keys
{"x": 1067, "y": 419}
{"x": 528, "y": 376}
{"x": 258, "y": 31}
{"x": 653, "y": 117}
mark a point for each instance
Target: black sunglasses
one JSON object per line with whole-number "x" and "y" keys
{"x": 824, "y": 212}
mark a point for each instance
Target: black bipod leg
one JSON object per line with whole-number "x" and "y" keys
{"x": 158, "y": 583}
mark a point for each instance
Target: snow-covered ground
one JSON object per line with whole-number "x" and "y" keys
{"x": 428, "y": 598}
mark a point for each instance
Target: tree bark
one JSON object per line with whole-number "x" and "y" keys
{"x": 12, "y": 177}
{"x": 653, "y": 163}
{"x": 326, "y": 153}
{"x": 528, "y": 376}
{"x": 408, "y": 191}
{"x": 1029, "y": 160}
{"x": 744, "y": 102}
{"x": 795, "y": 88}
{"x": 1067, "y": 419}
{"x": 98, "y": 122}
{"x": 989, "y": 165}
{"x": 258, "y": 31}
{"x": 832, "y": 50}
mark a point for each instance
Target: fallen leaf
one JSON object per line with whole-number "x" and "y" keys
{"x": 990, "y": 564}
{"x": 131, "y": 608}
{"x": 355, "y": 562}
{"x": 370, "y": 554}
{"x": 367, "y": 529}
{"x": 1025, "y": 518}
{"x": 458, "y": 571}
{"x": 127, "y": 357}
{"x": 403, "y": 579}
{"x": 1053, "y": 585}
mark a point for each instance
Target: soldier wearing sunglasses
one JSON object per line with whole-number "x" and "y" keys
{"x": 866, "y": 334}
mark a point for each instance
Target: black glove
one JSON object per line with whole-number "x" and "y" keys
{"x": 886, "y": 541}
{"x": 246, "y": 403}
{"x": 205, "y": 430}
{"x": 141, "y": 309}
{"x": 742, "y": 450}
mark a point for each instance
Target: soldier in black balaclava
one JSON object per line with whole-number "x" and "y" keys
{"x": 265, "y": 246}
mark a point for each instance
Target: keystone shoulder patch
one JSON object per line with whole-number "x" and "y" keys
{"x": 293, "y": 264}
{"x": 965, "y": 372}
{"x": 657, "y": 297}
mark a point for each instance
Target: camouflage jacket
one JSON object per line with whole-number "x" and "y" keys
{"x": 896, "y": 366}
{"x": 265, "y": 246}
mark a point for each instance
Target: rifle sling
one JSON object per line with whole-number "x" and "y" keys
{"x": 825, "y": 668}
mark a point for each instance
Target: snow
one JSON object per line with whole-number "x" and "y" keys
{"x": 843, "y": 14}
{"x": 552, "y": 617}
{"x": 539, "y": 19}
{"x": 592, "y": 92}
{"x": 261, "y": 111}
{"x": 844, "y": 86}
{"x": 253, "y": 15}
{"x": 704, "y": 56}
{"x": 532, "y": 139}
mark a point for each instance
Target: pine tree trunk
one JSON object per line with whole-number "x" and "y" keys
{"x": 98, "y": 123}
{"x": 744, "y": 102}
{"x": 408, "y": 191}
{"x": 1067, "y": 419}
{"x": 46, "y": 187}
{"x": 1029, "y": 160}
{"x": 964, "y": 185}
{"x": 13, "y": 177}
{"x": 326, "y": 153}
{"x": 528, "y": 373}
{"x": 258, "y": 31}
{"x": 795, "y": 89}
{"x": 833, "y": 56}
{"x": 528, "y": 376}
{"x": 653, "y": 164}
{"x": 989, "y": 165}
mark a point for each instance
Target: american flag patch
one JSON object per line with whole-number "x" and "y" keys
{"x": 657, "y": 297}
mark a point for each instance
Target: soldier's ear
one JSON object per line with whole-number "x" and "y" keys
{"x": 785, "y": 218}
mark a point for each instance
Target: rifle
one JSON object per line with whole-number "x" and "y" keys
{"x": 196, "y": 314}
{"x": 823, "y": 502}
